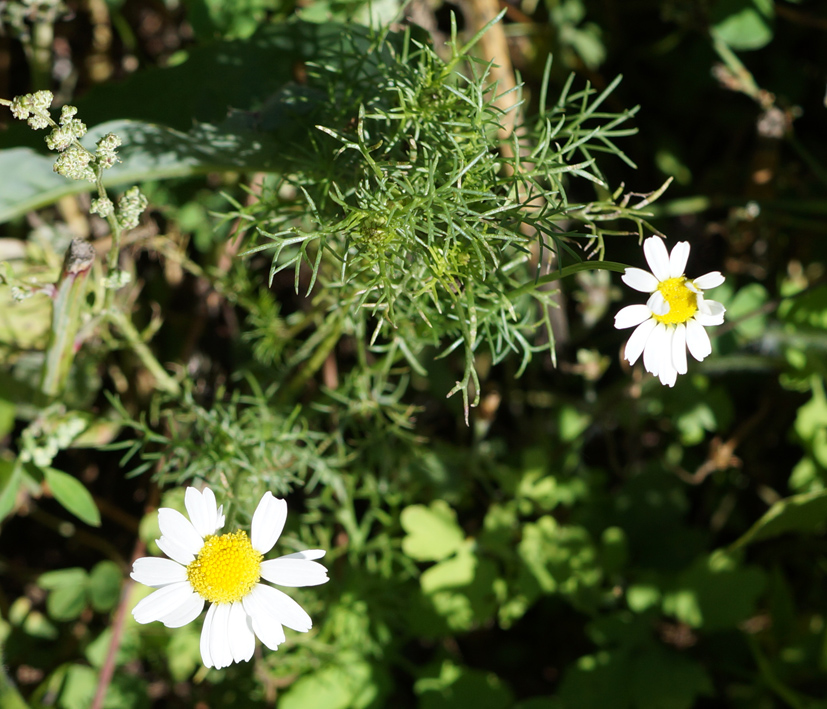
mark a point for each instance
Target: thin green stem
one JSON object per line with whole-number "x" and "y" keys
{"x": 565, "y": 273}
{"x": 164, "y": 381}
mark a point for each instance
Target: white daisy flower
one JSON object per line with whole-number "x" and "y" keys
{"x": 225, "y": 570}
{"x": 674, "y": 317}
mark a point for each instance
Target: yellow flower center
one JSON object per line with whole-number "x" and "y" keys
{"x": 683, "y": 303}
{"x": 226, "y": 568}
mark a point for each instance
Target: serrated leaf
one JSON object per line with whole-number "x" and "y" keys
{"x": 432, "y": 532}
{"x": 73, "y": 495}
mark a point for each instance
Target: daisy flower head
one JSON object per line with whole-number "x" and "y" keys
{"x": 225, "y": 570}
{"x": 673, "y": 319}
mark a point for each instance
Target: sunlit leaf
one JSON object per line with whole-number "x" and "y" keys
{"x": 73, "y": 495}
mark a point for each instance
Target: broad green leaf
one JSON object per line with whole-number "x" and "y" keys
{"x": 463, "y": 687}
{"x": 73, "y": 495}
{"x": 105, "y": 585}
{"x": 335, "y": 687}
{"x": 715, "y": 593}
{"x": 450, "y": 573}
{"x": 174, "y": 123}
{"x": 597, "y": 682}
{"x": 662, "y": 679}
{"x": 811, "y": 422}
{"x": 62, "y": 578}
{"x": 78, "y": 688}
{"x": 560, "y": 558}
{"x": 149, "y": 152}
{"x": 432, "y": 532}
{"x": 743, "y": 24}
{"x": 66, "y": 603}
{"x": 747, "y": 301}
{"x": 803, "y": 514}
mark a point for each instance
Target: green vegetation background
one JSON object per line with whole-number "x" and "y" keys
{"x": 588, "y": 539}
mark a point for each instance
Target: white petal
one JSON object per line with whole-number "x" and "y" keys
{"x": 179, "y": 529}
{"x": 640, "y": 280}
{"x": 162, "y": 602}
{"x": 667, "y": 373}
{"x": 219, "y": 523}
{"x": 281, "y": 607}
{"x": 657, "y": 303}
{"x": 657, "y": 257}
{"x": 293, "y": 572}
{"x": 708, "y": 320}
{"x": 678, "y": 258}
{"x": 219, "y": 638}
{"x": 709, "y": 280}
{"x": 202, "y": 510}
{"x": 265, "y": 624}
{"x": 631, "y": 316}
{"x": 309, "y": 554}
{"x": 242, "y": 640}
{"x": 185, "y": 613}
{"x": 268, "y": 522}
{"x": 637, "y": 342}
{"x": 175, "y": 551}
{"x": 206, "y": 631}
{"x": 679, "y": 348}
{"x": 653, "y": 353}
{"x": 697, "y": 341}
{"x": 156, "y": 572}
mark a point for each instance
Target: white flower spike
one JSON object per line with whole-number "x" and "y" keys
{"x": 674, "y": 317}
{"x": 225, "y": 570}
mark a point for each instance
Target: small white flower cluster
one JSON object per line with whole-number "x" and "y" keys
{"x": 70, "y": 129}
{"x": 33, "y": 108}
{"x": 130, "y": 207}
{"x": 53, "y": 431}
{"x": 74, "y": 162}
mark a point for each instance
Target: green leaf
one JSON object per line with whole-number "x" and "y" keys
{"x": 747, "y": 301}
{"x": 11, "y": 478}
{"x": 597, "y": 682}
{"x": 432, "y": 532}
{"x": 804, "y": 514}
{"x": 154, "y": 111}
{"x": 62, "y": 578}
{"x": 78, "y": 688}
{"x": 105, "y": 585}
{"x": 662, "y": 679}
{"x": 335, "y": 687}
{"x": 73, "y": 495}
{"x": 150, "y": 152}
{"x": 462, "y": 687}
{"x": 7, "y": 413}
{"x": 743, "y": 24}
{"x": 450, "y": 573}
{"x": 715, "y": 593}
{"x": 67, "y": 597}
{"x": 66, "y": 603}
